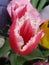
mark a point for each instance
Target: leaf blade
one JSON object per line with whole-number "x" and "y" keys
{"x": 34, "y": 3}
{"x": 41, "y": 4}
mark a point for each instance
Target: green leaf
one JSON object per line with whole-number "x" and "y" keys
{"x": 13, "y": 59}
{"x": 20, "y": 60}
{"x": 41, "y": 4}
{"x": 16, "y": 60}
{"x": 34, "y": 3}
{"x": 46, "y": 53}
{"x": 5, "y": 48}
{"x": 36, "y": 54}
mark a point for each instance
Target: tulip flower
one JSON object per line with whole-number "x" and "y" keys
{"x": 44, "y": 42}
{"x": 24, "y": 32}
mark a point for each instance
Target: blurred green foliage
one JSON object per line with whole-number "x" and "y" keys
{"x": 38, "y": 4}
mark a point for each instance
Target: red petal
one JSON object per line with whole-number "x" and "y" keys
{"x": 18, "y": 14}
{"x": 30, "y": 8}
{"x": 26, "y": 31}
{"x": 30, "y": 47}
{"x": 21, "y": 11}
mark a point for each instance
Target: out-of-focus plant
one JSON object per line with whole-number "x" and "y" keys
{"x": 38, "y": 4}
